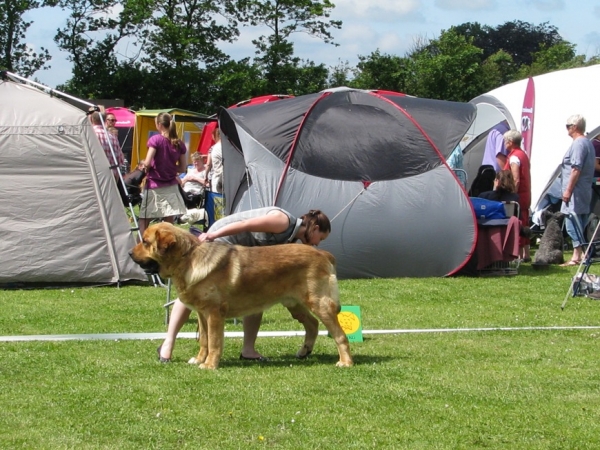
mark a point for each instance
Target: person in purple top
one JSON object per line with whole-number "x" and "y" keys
{"x": 165, "y": 160}
{"x": 495, "y": 152}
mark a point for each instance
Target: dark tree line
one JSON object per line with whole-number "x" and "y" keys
{"x": 155, "y": 54}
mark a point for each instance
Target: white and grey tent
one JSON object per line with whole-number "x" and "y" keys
{"x": 373, "y": 161}
{"x": 62, "y": 220}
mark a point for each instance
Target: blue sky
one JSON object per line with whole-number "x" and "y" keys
{"x": 392, "y": 26}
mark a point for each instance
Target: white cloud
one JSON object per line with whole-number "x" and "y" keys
{"x": 381, "y": 10}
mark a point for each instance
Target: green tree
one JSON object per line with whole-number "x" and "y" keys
{"x": 497, "y": 70}
{"x": 91, "y": 36}
{"x": 187, "y": 33}
{"x": 340, "y": 74}
{"x": 556, "y": 57}
{"x": 521, "y": 40}
{"x": 232, "y": 82}
{"x": 169, "y": 46}
{"x": 15, "y": 55}
{"x": 449, "y": 68}
{"x": 276, "y": 51}
{"x": 377, "y": 71}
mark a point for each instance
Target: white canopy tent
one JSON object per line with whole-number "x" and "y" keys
{"x": 558, "y": 95}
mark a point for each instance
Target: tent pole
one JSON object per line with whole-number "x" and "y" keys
{"x": 583, "y": 262}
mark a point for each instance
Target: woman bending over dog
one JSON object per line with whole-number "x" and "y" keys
{"x": 256, "y": 227}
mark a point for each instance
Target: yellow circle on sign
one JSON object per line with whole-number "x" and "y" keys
{"x": 349, "y": 321}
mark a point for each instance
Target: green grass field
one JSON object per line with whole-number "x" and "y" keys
{"x": 523, "y": 389}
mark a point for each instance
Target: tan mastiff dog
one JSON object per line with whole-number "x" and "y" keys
{"x": 221, "y": 281}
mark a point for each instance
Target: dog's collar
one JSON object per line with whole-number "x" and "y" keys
{"x": 293, "y": 237}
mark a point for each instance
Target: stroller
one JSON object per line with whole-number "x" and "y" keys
{"x": 133, "y": 183}
{"x": 195, "y": 203}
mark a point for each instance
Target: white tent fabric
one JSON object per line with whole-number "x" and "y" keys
{"x": 61, "y": 218}
{"x": 558, "y": 95}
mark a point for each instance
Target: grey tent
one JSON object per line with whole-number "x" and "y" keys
{"x": 61, "y": 217}
{"x": 373, "y": 161}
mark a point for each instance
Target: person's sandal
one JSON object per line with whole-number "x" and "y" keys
{"x": 160, "y": 358}
{"x": 258, "y": 358}
{"x": 570, "y": 263}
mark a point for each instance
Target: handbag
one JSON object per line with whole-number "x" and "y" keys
{"x": 487, "y": 209}
{"x": 134, "y": 178}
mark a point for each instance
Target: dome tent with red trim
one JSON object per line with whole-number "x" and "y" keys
{"x": 373, "y": 161}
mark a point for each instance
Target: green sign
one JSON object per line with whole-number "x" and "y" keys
{"x": 351, "y": 322}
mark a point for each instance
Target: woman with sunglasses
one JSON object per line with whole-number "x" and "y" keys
{"x": 577, "y": 176}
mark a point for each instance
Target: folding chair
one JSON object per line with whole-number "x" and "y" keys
{"x": 484, "y": 181}
{"x": 591, "y": 255}
{"x": 512, "y": 209}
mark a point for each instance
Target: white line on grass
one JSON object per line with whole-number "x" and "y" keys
{"x": 239, "y": 334}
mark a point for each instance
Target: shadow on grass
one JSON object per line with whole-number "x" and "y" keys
{"x": 312, "y": 360}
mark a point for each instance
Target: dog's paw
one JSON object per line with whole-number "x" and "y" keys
{"x": 304, "y": 352}
{"x": 193, "y": 361}
{"x": 344, "y": 364}
{"x": 205, "y": 366}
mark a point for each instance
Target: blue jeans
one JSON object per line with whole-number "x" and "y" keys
{"x": 572, "y": 228}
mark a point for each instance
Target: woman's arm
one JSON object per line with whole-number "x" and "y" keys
{"x": 273, "y": 222}
{"x": 208, "y": 165}
{"x": 149, "y": 158}
{"x": 194, "y": 176}
{"x": 515, "y": 169}
{"x": 182, "y": 167}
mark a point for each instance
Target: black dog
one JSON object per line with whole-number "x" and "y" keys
{"x": 551, "y": 243}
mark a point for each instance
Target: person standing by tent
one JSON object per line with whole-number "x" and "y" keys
{"x": 518, "y": 163}
{"x": 256, "y": 227}
{"x": 108, "y": 141}
{"x": 166, "y": 158}
{"x": 577, "y": 175}
{"x": 214, "y": 164}
{"x": 111, "y": 124}
{"x": 495, "y": 151}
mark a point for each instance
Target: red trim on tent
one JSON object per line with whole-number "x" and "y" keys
{"x": 206, "y": 140}
{"x": 384, "y": 92}
{"x": 261, "y": 99}
{"x": 415, "y": 123}
{"x": 293, "y": 148}
{"x": 426, "y": 136}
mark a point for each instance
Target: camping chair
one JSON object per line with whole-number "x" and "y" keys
{"x": 512, "y": 209}
{"x": 484, "y": 181}
{"x": 591, "y": 255}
